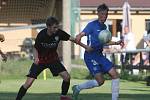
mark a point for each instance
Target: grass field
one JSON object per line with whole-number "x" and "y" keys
{"x": 49, "y": 90}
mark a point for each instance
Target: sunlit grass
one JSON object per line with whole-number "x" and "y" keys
{"x": 50, "y": 90}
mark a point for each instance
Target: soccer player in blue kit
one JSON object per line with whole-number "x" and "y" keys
{"x": 45, "y": 56}
{"x": 95, "y": 61}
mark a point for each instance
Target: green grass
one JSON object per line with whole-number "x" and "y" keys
{"x": 50, "y": 90}
{"x": 17, "y": 69}
{"x": 12, "y": 76}
{"x": 14, "y": 68}
{"x": 78, "y": 61}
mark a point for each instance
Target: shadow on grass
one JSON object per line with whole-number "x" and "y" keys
{"x": 88, "y": 96}
{"x": 133, "y": 89}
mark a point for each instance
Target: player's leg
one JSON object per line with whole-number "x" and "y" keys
{"x": 23, "y": 89}
{"x": 115, "y": 83}
{"x": 58, "y": 69}
{"x": 35, "y": 70}
{"x": 107, "y": 67}
{"x": 95, "y": 70}
{"x": 87, "y": 85}
{"x": 99, "y": 80}
{"x": 65, "y": 85}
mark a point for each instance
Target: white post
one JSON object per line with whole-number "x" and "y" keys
{"x": 66, "y": 27}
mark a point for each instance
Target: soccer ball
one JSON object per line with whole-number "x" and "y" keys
{"x": 104, "y": 36}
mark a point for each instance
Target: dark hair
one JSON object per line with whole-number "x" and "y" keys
{"x": 51, "y": 21}
{"x": 102, "y": 7}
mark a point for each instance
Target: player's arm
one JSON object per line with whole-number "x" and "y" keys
{"x": 78, "y": 41}
{"x": 120, "y": 42}
{"x": 79, "y": 36}
{"x": 35, "y": 55}
{"x": 114, "y": 43}
{"x": 86, "y": 47}
{"x": 65, "y": 36}
{"x": 111, "y": 43}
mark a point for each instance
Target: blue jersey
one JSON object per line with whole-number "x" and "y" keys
{"x": 92, "y": 30}
{"x": 95, "y": 61}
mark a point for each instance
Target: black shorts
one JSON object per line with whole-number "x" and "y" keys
{"x": 55, "y": 69}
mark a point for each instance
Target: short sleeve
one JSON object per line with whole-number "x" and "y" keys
{"x": 87, "y": 30}
{"x": 38, "y": 41}
{"x": 64, "y": 36}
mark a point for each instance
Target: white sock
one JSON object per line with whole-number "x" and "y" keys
{"x": 87, "y": 85}
{"x": 115, "y": 89}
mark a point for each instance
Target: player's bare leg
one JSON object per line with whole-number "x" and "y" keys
{"x": 87, "y": 85}
{"x": 115, "y": 83}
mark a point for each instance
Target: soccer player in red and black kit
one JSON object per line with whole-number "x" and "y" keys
{"x": 45, "y": 56}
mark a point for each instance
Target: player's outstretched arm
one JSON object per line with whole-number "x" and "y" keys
{"x": 86, "y": 47}
{"x": 116, "y": 43}
{"x": 111, "y": 43}
{"x": 79, "y": 36}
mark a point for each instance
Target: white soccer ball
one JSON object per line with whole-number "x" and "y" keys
{"x": 104, "y": 36}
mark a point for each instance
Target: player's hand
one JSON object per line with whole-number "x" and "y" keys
{"x": 78, "y": 38}
{"x": 36, "y": 60}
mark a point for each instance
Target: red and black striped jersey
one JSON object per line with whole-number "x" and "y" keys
{"x": 47, "y": 45}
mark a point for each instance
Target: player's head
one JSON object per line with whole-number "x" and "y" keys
{"x": 102, "y": 12}
{"x": 2, "y": 38}
{"x": 52, "y": 24}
